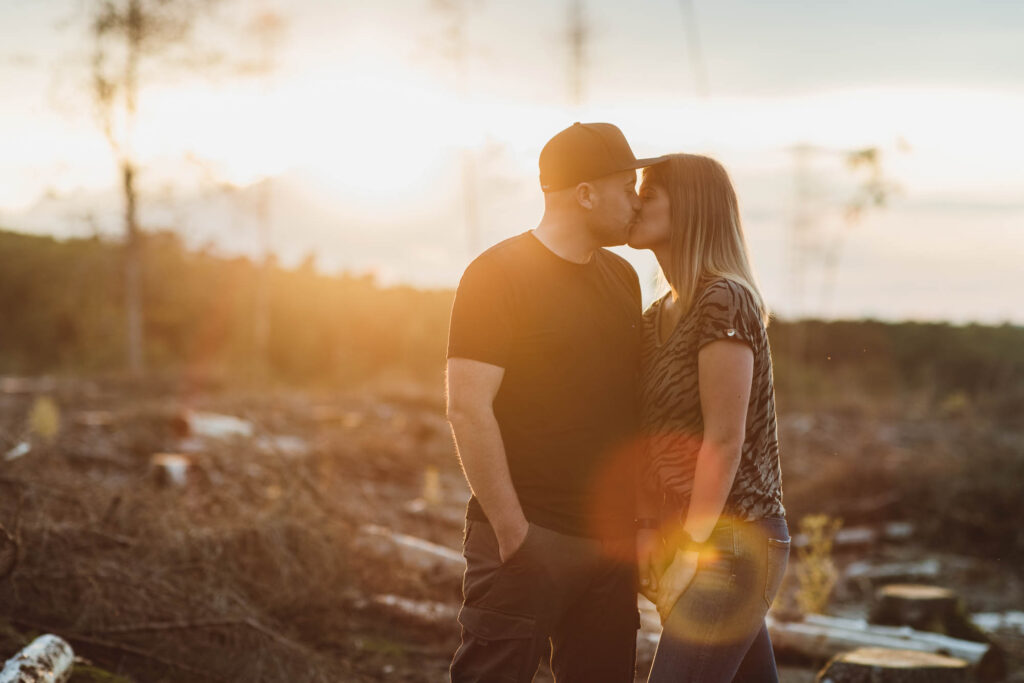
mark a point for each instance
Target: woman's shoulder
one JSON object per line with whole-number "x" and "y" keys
{"x": 723, "y": 291}
{"x": 730, "y": 304}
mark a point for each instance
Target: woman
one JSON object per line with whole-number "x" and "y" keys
{"x": 713, "y": 542}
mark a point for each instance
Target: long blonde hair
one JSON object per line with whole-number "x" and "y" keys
{"x": 707, "y": 238}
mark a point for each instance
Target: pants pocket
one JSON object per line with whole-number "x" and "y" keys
{"x": 777, "y": 559}
{"x": 518, "y": 553}
{"x": 495, "y": 647}
{"x": 520, "y": 584}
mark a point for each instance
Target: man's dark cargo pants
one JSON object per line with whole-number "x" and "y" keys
{"x": 579, "y": 592}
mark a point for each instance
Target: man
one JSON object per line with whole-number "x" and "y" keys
{"x": 543, "y": 354}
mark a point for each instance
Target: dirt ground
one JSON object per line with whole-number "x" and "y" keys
{"x": 274, "y": 557}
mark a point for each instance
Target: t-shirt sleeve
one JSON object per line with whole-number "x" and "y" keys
{"x": 634, "y": 287}
{"x": 480, "y": 327}
{"x": 727, "y": 311}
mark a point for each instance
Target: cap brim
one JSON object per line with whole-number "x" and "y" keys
{"x": 644, "y": 163}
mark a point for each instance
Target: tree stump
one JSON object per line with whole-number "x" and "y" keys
{"x": 924, "y": 608}
{"x": 880, "y": 665}
{"x": 171, "y": 469}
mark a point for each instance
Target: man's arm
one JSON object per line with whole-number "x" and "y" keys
{"x": 472, "y": 386}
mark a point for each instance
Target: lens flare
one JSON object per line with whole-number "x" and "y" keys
{"x": 726, "y": 599}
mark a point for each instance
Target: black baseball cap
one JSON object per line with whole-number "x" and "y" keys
{"x": 586, "y": 151}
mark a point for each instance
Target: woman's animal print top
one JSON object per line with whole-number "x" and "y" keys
{"x": 672, "y": 419}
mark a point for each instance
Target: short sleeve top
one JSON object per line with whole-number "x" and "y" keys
{"x": 671, "y": 412}
{"x": 568, "y": 336}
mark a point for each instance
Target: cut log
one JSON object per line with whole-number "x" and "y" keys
{"x": 217, "y": 426}
{"x": 860, "y": 537}
{"x": 423, "y": 611}
{"x": 924, "y": 608}
{"x": 170, "y": 469}
{"x": 416, "y": 551}
{"x": 21, "y": 449}
{"x": 281, "y": 444}
{"x": 879, "y": 665}
{"x": 820, "y": 637}
{"x": 845, "y": 539}
{"x": 893, "y": 571}
{"x": 47, "y": 659}
{"x": 1000, "y": 621}
{"x": 898, "y": 531}
{"x": 861, "y": 579}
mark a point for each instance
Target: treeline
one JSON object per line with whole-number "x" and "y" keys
{"x": 61, "y": 302}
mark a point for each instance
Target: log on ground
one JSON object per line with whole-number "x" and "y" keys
{"x": 47, "y": 659}
{"x": 821, "y": 637}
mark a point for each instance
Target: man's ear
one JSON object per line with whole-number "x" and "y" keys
{"x": 585, "y": 195}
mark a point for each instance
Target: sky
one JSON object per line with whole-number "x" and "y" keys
{"x": 363, "y": 139}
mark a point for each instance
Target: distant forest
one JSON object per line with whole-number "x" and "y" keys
{"x": 61, "y": 302}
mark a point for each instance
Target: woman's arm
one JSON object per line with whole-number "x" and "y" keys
{"x": 725, "y": 373}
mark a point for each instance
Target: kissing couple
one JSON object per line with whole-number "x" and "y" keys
{"x": 612, "y": 450}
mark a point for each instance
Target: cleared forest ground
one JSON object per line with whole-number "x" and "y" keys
{"x": 276, "y": 560}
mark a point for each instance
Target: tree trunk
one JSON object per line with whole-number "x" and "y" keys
{"x": 880, "y": 665}
{"x": 132, "y": 273}
{"x": 261, "y": 323}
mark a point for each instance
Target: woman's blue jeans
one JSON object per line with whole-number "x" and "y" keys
{"x": 716, "y": 632}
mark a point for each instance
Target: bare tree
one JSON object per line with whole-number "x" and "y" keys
{"x": 578, "y": 37}
{"x": 812, "y": 243}
{"x": 128, "y": 35}
{"x": 265, "y": 30}
{"x": 455, "y": 46}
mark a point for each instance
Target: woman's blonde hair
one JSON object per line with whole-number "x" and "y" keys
{"x": 707, "y": 238}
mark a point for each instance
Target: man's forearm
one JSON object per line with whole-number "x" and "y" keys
{"x": 482, "y": 454}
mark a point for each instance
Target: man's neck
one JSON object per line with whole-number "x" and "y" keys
{"x": 567, "y": 242}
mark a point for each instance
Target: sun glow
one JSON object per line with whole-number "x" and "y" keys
{"x": 358, "y": 130}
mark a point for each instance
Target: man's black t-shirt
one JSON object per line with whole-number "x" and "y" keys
{"x": 568, "y": 337}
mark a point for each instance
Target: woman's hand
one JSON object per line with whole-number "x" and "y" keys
{"x": 648, "y": 554}
{"x": 675, "y": 581}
